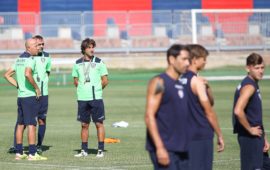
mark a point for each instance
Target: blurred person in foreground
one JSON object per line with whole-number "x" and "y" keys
{"x": 28, "y": 99}
{"x": 166, "y": 114}
{"x": 90, "y": 78}
{"x": 248, "y": 117}
{"x": 203, "y": 119}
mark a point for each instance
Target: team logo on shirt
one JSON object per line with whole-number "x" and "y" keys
{"x": 180, "y": 90}
{"x": 183, "y": 80}
{"x": 181, "y": 94}
{"x": 93, "y": 65}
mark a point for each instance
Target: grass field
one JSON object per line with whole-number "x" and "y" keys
{"x": 124, "y": 100}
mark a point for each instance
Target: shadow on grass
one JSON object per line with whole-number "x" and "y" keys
{"x": 44, "y": 148}
{"x": 90, "y": 151}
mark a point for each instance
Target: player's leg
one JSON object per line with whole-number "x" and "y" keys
{"x": 12, "y": 149}
{"x": 32, "y": 139}
{"x": 19, "y": 132}
{"x": 31, "y": 107}
{"x": 101, "y": 138}
{"x": 266, "y": 161}
{"x": 98, "y": 116}
{"x": 251, "y": 152}
{"x": 41, "y": 134}
{"x": 42, "y": 122}
{"x": 84, "y": 117}
{"x": 201, "y": 154}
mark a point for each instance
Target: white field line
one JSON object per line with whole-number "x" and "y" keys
{"x": 226, "y": 160}
{"x": 74, "y": 167}
{"x": 101, "y": 168}
{"x": 216, "y": 78}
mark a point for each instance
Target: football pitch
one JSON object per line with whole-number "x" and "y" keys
{"x": 124, "y": 100}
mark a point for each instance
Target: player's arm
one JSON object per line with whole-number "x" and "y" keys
{"x": 75, "y": 81}
{"x": 48, "y": 66}
{"x": 199, "y": 88}
{"x": 75, "y": 75}
{"x": 8, "y": 76}
{"x": 154, "y": 95}
{"x": 208, "y": 90}
{"x": 29, "y": 76}
{"x": 245, "y": 93}
{"x": 104, "y": 81}
{"x": 209, "y": 94}
{"x": 104, "y": 75}
{"x": 266, "y": 144}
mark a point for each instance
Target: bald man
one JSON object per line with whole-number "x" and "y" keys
{"x": 28, "y": 99}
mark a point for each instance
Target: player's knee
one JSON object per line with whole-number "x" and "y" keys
{"x": 41, "y": 121}
{"x": 85, "y": 125}
{"x": 99, "y": 125}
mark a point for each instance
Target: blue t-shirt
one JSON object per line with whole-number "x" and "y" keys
{"x": 200, "y": 127}
{"x": 253, "y": 109}
{"x": 171, "y": 117}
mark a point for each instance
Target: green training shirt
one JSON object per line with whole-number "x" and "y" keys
{"x": 25, "y": 88}
{"x": 42, "y": 69}
{"x": 89, "y": 84}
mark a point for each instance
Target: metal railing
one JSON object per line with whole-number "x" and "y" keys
{"x": 128, "y": 31}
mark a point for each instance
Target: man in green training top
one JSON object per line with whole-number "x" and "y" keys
{"x": 90, "y": 77}
{"x": 28, "y": 99}
{"x": 41, "y": 77}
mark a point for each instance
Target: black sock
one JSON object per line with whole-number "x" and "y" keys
{"x": 19, "y": 148}
{"x": 32, "y": 149}
{"x": 41, "y": 134}
{"x": 85, "y": 146}
{"x": 101, "y": 146}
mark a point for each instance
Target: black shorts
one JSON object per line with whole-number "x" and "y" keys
{"x": 201, "y": 154}
{"x": 178, "y": 161}
{"x": 43, "y": 107}
{"x": 88, "y": 110}
{"x": 251, "y": 152}
{"x": 28, "y": 109}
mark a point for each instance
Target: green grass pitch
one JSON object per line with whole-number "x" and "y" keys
{"x": 124, "y": 100}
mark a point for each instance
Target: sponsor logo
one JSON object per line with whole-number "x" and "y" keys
{"x": 183, "y": 80}
{"x": 181, "y": 94}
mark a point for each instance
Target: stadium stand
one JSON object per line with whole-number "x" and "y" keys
{"x": 116, "y": 24}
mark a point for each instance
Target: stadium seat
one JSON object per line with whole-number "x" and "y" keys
{"x": 59, "y": 43}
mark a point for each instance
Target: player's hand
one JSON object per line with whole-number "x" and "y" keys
{"x": 38, "y": 93}
{"x": 266, "y": 146}
{"x": 163, "y": 157}
{"x": 220, "y": 144}
{"x": 256, "y": 131}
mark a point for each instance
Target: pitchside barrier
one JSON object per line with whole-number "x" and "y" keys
{"x": 132, "y": 31}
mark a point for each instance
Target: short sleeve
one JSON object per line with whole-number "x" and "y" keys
{"x": 49, "y": 64}
{"x": 103, "y": 69}
{"x": 13, "y": 67}
{"x": 75, "y": 71}
{"x": 30, "y": 62}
